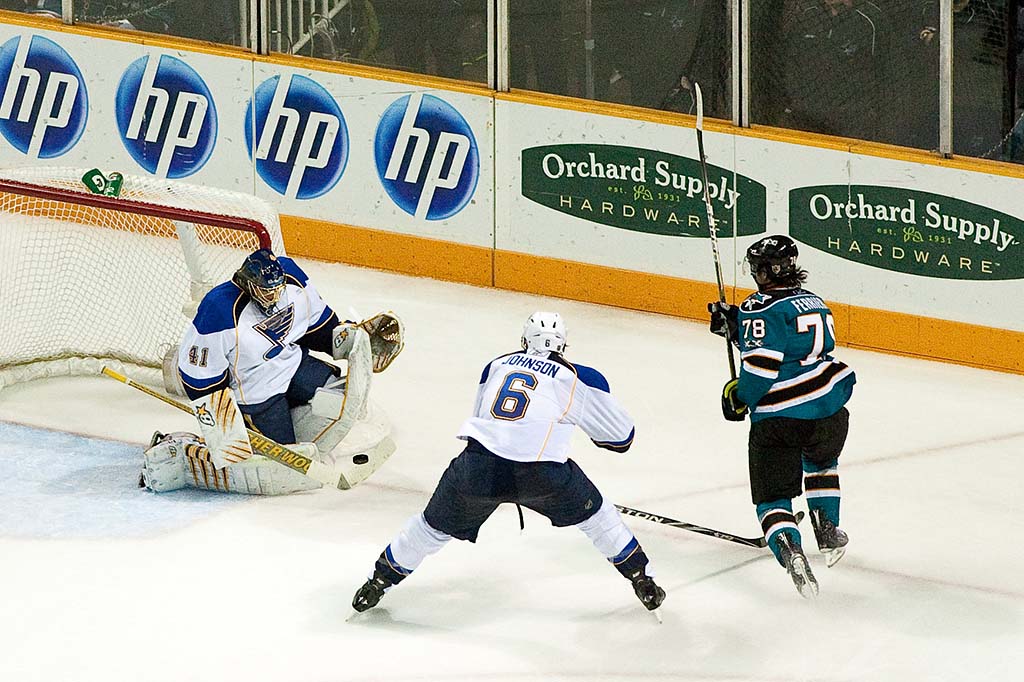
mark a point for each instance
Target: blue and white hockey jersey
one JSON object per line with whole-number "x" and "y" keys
{"x": 786, "y": 337}
{"x": 231, "y": 342}
{"x": 528, "y": 404}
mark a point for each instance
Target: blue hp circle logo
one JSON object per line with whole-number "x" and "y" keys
{"x": 45, "y": 104}
{"x": 426, "y": 157}
{"x": 166, "y": 116}
{"x": 302, "y": 144}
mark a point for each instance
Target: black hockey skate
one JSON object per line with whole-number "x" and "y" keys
{"x": 797, "y": 566}
{"x": 647, "y": 591}
{"x": 370, "y": 594}
{"x": 831, "y": 540}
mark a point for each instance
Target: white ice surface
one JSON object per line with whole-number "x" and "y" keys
{"x": 102, "y": 582}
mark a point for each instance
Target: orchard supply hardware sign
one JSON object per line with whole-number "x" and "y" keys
{"x": 641, "y": 190}
{"x": 908, "y": 231}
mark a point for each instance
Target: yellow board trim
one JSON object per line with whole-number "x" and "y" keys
{"x": 420, "y": 256}
{"x": 378, "y": 73}
{"x": 857, "y": 327}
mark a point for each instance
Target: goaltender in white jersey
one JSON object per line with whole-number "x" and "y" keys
{"x": 245, "y": 361}
{"x": 232, "y": 342}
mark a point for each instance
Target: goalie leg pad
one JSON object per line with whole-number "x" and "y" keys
{"x": 261, "y": 476}
{"x": 337, "y": 406}
{"x": 180, "y": 460}
{"x": 365, "y": 449}
{"x": 163, "y": 464}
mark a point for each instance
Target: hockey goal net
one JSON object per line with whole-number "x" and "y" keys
{"x": 113, "y": 280}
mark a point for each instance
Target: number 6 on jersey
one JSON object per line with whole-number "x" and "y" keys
{"x": 511, "y": 402}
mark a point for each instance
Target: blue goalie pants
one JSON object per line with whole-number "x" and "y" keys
{"x": 273, "y": 416}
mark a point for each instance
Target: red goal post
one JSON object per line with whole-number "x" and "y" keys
{"x": 112, "y": 280}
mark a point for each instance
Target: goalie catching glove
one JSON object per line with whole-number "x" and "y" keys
{"x": 222, "y": 428}
{"x": 386, "y": 334}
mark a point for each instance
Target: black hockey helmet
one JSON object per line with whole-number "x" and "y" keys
{"x": 772, "y": 261}
{"x": 262, "y": 277}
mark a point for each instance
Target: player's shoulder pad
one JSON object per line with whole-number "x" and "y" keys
{"x": 487, "y": 368}
{"x": 292, "y": 272}
{"x": 590, "y": 376}
{"x": 761, "y": 301}
{"x": 220, "y": 308}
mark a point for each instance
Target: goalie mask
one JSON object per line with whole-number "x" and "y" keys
{"x": 772, "y": 263}
{"x": 543, "y": 333}
{"x": 262, "y": 277}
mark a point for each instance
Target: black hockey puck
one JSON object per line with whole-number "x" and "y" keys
{"x": 360, "y": 459}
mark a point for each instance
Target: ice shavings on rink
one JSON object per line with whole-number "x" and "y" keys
{"x": 62, "y": 485}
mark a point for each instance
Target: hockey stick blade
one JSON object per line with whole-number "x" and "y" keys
{"x": 721, "y": 535}
{"x": 261, "y": 445}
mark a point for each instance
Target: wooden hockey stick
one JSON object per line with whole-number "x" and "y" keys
{"x": 748, "y": 542}
{"x": 712, "y": 225}
{"x": 261, "y": 445}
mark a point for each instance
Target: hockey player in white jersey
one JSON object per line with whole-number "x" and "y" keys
{"x": 245, "y": 361}
{"x": 518, "y": 440}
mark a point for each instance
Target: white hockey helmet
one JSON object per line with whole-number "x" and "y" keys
{"x": 543, "y": 333}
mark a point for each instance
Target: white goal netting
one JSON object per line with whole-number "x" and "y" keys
{"x": 92, "y": 280}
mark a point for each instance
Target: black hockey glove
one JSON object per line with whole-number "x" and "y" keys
{"x": 732, "y": 409}
{"x": 724, "y": 321}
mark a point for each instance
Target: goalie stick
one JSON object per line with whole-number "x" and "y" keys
{"x": 712, "y": 225}
{"x": 261, "y": 445}
{"x": 748, "y": 542}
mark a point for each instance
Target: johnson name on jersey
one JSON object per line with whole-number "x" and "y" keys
{"x": 231, "y": 342}
{"x": 528, "y": 404}
{"x": 786, "y": 337}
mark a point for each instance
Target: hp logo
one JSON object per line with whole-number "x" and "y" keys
{"x": 166, "y": 116}
{"x": 426, "y": 157}
{"x": 45, "y": 104}
{"x": 298, "y": 118}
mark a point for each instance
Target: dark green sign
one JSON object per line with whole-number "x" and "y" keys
{"x": 908, "y": 231}
{"x": 641, "y": 190}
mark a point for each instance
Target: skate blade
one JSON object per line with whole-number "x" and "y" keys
{"x": 808, "y": 586}
{"x": 832, "y": 556}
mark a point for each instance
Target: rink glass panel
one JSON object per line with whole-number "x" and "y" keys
{"x": 446, "y": 38}
{"x": 848, "y": 68}
{"x": 987, "y": 85}
{"x": 639, "y": 52}
{"x": 218, "y": 21}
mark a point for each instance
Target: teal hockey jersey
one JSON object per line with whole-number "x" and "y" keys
{"x": 786, "y": 337}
